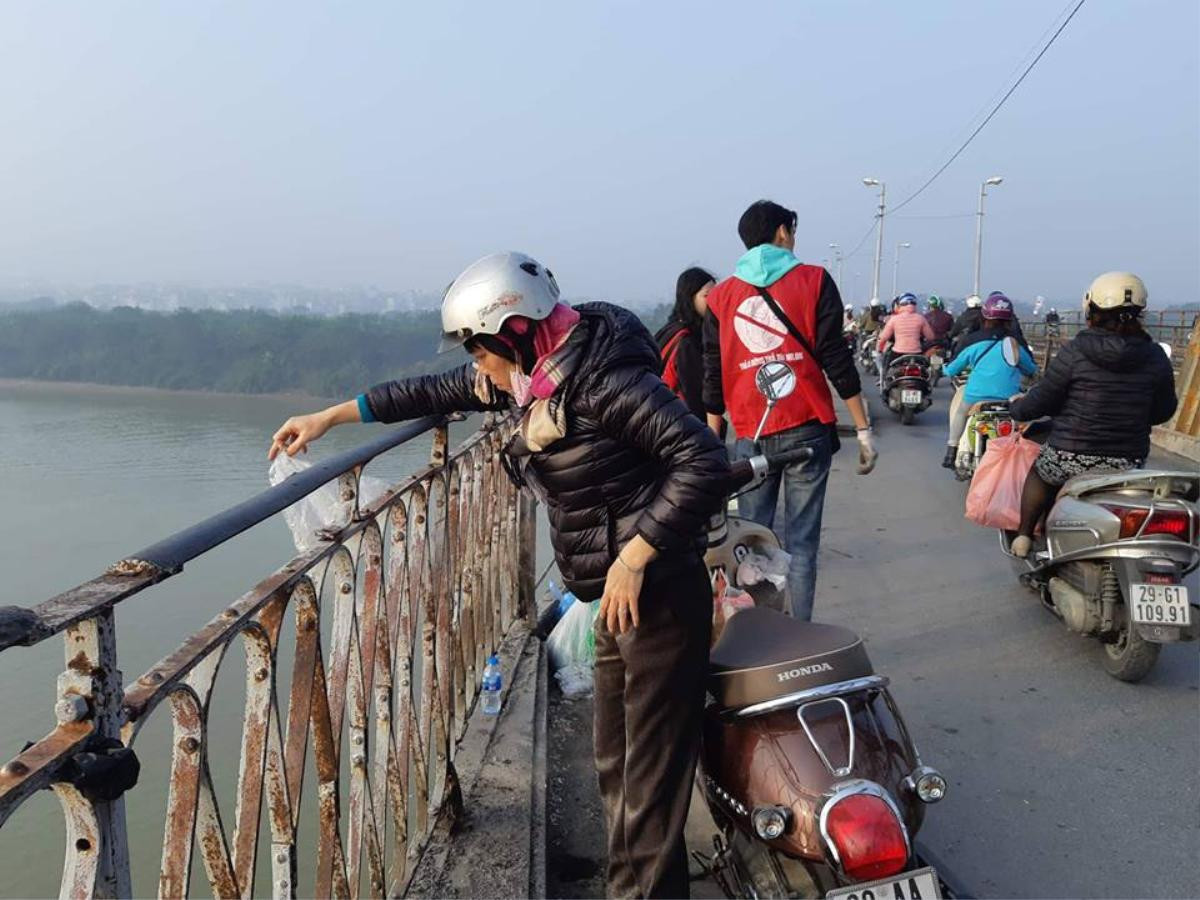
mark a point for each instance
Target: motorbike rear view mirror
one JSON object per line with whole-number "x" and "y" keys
{"x": 774, "y": 380}
{"x": 1011, "y": 350}
{"x": 1166, "y": 348}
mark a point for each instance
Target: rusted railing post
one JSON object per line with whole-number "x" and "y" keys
{"x": 90, "y": 687}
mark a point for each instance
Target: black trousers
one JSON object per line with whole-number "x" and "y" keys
{"x": 648, "y": 706}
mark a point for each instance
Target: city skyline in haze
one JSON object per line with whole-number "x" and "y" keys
{"x": 387, "y": 145}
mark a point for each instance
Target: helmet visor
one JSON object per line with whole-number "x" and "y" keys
{"x": 453, "y": 340}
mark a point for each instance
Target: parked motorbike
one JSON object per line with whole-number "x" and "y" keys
{"x": 1112, "y": 561}
{"x": 906, "y": 387}
{"x": 806, "y": 765}
{"x": 989, "y": 419}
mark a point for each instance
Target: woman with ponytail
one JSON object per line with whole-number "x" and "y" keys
{"x": 1104, "y": 390}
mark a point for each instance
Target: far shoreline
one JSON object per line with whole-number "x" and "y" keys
{"x": 41, "y": 385}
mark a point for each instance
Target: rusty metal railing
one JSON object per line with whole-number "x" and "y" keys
{"x": 414, "y": 592}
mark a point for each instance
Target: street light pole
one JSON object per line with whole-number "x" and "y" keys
{"x": 896, "y": 268}
{"x": 837, "y": 257}
{"x": 994, "y": 180}
{"x": 875, "y": 182}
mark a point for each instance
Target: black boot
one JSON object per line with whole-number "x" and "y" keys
{"x": 948, "y": 459}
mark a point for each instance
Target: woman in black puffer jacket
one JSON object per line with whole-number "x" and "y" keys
{"x": 1104, "y": 390}
{"x": 629, "y": 480}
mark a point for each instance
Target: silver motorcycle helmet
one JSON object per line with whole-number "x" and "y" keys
{"x": 491, "y": 291}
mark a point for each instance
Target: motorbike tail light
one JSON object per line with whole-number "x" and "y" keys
{"x": 867, "y": 836}
{"x": 1168, "y": 521}
{"x": 912, "y": 371}
{"x": 1171, "y": 522}
{"x": 1131, "y": 517}
{"x": 1006, "y": 428}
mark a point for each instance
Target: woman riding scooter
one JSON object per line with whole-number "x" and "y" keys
{"x": 1104, "y": 389}
{"x": 629, "y": 478}
{"x": 992, "y": 377}
{"x": 907, "y": 329}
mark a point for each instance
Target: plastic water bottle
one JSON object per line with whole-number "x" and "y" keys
{"x": 492, "y": 680}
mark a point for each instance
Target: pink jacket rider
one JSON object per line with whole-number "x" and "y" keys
{"x": 906, "y": 328}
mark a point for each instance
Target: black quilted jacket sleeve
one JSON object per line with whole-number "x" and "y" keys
{"x": 431, "y": 395}
{"x": 635, "y": 407}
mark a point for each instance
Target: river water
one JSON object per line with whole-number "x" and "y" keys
{"x": 87, "y": 476}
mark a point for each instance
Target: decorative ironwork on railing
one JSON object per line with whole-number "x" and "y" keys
{"x": 414, "y": 592}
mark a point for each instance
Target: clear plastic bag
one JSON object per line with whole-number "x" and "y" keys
{"x": 764, "y": 563}
{"x": 576, "y": 680}
{"x": 323, "y": 509}
{"x": 573, "y": 642}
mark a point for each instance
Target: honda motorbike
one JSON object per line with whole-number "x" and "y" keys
{"x": 1112, "y": 561}
{"x": 806, "y": 765}
{"x": 906, "y": 387}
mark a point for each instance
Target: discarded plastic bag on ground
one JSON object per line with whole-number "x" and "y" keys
{"x": 572, "y": 641}
{"x": 994, "y": 500}
{"x": 572, "y": 649}
{"x": 765, "y": 563}
{"x": 727, "y": 601}
{"x": 323, "y": 509}
{"x": 577, "y": 680}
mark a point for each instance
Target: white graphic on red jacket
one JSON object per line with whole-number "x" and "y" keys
{"x": 757, "y": 326}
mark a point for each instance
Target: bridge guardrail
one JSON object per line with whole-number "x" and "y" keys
{"x": 415, "y": 590}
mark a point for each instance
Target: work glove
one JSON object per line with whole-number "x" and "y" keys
{"x": 867, "y": 454}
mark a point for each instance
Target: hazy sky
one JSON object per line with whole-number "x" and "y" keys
{"x": 393, "y": 143}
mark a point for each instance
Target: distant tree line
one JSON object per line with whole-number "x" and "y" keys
{"x": 240, "y": 351}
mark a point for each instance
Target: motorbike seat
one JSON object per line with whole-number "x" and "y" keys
{"x": 764, "y": 655}
{"x": 990, "y": 406}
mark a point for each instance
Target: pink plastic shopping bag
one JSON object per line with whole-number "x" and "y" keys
{"x": 994, "y": 500}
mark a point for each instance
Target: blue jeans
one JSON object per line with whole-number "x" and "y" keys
{"x": 803, "y": 503}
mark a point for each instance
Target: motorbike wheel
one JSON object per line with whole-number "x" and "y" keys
{"x": 907, "y": 414}
{"x": 1130, "y": 657}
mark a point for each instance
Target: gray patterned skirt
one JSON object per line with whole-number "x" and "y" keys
{"x": 1056, "y": 467}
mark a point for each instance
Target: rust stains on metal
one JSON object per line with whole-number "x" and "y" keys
{"x": 441, "y": 585}
{"x": 131, "y": 568}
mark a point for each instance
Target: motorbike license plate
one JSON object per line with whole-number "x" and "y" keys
{"x": 910, "y": 398}
{"x": 1159, "y": 604}
{"x": 919, "y": 884}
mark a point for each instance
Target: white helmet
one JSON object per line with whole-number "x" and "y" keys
{"x": 1115, "y": 289}
{"x": 875, "y": 301}
{"x": 849, "y": 308}
{"x": 491, "y": 291}
{"x": 973, "y": 301}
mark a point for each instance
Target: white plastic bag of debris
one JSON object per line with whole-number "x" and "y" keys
{"x": 323, "y": 509}
{"x": 764, "y": 563}
{"x": 571, "y": 647}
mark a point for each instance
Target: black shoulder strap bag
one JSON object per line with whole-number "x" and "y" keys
{"x": 835, "y": 440}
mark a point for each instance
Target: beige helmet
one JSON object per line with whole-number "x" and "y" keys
{"x": 1115, "y": 289}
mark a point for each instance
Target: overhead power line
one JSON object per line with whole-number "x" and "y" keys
{"x": 957, "y": 153}
{"x": 909, "y": 199}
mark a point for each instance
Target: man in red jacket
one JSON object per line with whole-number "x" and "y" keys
{"x": 741, "y": 333}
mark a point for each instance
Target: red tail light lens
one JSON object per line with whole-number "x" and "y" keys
{"x": 868, "y": 837}
{"x": 912, "y": 371}
{"x": 1168, "y": 521}
{"x": 1006, "y": 428}
{"x": 1172, "y": 522}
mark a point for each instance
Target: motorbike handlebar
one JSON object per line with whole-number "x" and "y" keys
{"x": 744, "y": 471}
